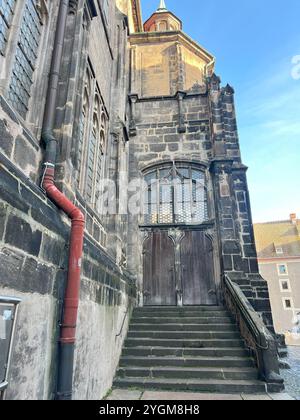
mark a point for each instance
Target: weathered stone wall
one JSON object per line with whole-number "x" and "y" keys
{"x": 34, "y": 234}
{"x": 33, "y": 261}
{"x": 17, "y": 142}
{"x": 169, "y": 129}
{"x": 164, "y": 63}
{"x": 201, "y": 127}
{"x": 159, "y": 135}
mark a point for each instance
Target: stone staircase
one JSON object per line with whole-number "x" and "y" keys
{"x": 193, "y": 349}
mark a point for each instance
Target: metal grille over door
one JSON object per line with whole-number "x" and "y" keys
{"x": 175, "y": 194}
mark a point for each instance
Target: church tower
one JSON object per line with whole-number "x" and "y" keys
{"x": 196, "y": 232}
{"x": 163, "y": 20}
{"x": 192, "y": 247}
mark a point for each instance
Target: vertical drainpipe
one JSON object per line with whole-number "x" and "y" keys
{"x": 71, "y": 299}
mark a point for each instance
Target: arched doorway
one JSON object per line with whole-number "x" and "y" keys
{"x": 178, "y": 260}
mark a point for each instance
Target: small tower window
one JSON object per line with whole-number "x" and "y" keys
{"x": 162, "y": 26}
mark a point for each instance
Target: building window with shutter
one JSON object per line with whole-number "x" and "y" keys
{"x": 25, "y": 58}
{"x": 288, "y": 304}
{"x": 285, "y": 285}
{"x": 7, "y": 8}
{"x": 282, "y": 269}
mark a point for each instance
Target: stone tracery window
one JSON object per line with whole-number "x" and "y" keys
{"x": 25, "y": 57}
{"x": 175, "y": 195}
{"x": 7, "y": 8}
{"x": 82, "y": 129}
{"x": 91, "y": 140}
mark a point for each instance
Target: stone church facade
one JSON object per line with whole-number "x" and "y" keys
{"x": 140, "y": 109}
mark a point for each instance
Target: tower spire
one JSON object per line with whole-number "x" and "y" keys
{"x": 162, "y": 6}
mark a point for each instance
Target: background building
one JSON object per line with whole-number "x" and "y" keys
{"x": 278, "y": 246}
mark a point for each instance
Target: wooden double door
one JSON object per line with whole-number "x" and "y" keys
{"x": 178, "y": 268}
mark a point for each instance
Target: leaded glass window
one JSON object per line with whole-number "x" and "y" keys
{"x": 91, "y": 140}
{"x": 175, "y": 194}
{"x": 26, "y": 58}
{"x": 6, "y": 16}
{"x": 91, "y": 160}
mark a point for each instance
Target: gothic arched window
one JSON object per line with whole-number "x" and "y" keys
{"x": 91, "y": 140}
{"x": 175, "y": 194}
{"x": 26, "y": 57}
{"x": 7, "y": 8}
{"x": 82, "y": 131}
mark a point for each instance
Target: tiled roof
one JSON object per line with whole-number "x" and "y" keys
{"x": 284, "y": 234}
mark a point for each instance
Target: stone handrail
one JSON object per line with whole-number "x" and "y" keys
{"x": 256, "y": 335}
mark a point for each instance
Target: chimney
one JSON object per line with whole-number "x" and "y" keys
{"x": 293, "y": 218}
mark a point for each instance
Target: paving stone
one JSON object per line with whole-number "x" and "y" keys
{"x": 179, "y": 396}
{"x": 281, "y": 397}
{"x": 292, "y": 376}
{"x": 256, "y": 397}
{"x": 124, "y": 395}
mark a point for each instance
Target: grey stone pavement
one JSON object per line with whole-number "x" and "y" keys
{"x": 128, "y": 395}
{"x": 292, "y": 376}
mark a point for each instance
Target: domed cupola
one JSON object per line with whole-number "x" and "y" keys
{"x": 163, "y": 20}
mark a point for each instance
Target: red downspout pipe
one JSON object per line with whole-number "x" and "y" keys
{"x": 71, "y": 299}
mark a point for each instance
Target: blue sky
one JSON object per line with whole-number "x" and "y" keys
{"x": 254, "y": 42}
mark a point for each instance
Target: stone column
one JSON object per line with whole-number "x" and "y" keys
{"x": 237, "y": 244}
{"x": 216, "y": 116}
{"x": 232, "y": 148}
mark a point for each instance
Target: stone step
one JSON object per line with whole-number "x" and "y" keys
{"x": 184, "y": 327}
{"x": 182, "y": 335}
{"x": 184, "y": 352}
{"x": 193, "y": 385}
{"x": 220, "y": 362}
{"x": 187, "y": 343}
{"x": 183, "y": 320}
{"x": 242, "y": 374}
{"x": 186, "y": 314}
{"x": 180, "y": 308}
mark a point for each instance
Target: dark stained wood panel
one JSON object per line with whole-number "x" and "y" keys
{"x": 198, "y": 283}
{"x": 159, "y": 270}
